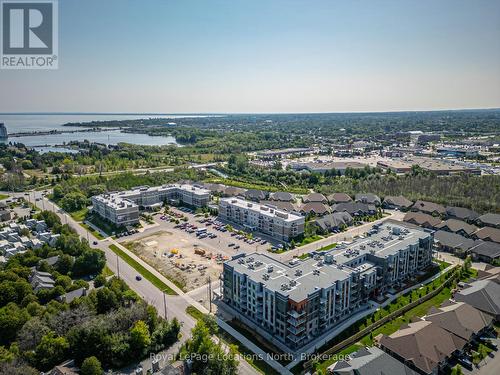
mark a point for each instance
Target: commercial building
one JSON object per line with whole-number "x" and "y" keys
{"x": 266, "y": 219}
{"x": 296, "y": 302}
{"x": 122, "y": 208}
{"x": 438, "y": 166}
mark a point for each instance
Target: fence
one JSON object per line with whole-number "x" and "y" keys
{"x": 354, "y": 338}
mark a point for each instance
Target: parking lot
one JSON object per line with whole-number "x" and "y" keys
{"x": 189, "y": 248}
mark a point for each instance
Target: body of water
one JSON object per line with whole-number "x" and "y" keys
{"x": 46, "y": 122}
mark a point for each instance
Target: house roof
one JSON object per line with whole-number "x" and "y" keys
{"x": 454, "y": 225}
{"x": 460, "y": 319}
{"x": 420, "y": 218}
{"x": 354, "y": 207}
{"x": 339, "y": 198}
{"x": 461, "y": 213}
{"x": 370, "y": 361}
{"x": 453, "y": 240}
{"x": 428, "y": 207}
{"x": 334, "y": 220}
{"x": 488, "y": 234}
{"x": 398, "y": 201}
{"x": 255, "y": 194}
{"x": 367, "y": 198}
{"x": 490, "y": 219}
{"x": 285, "y": 206}
{"x": 487, "y": 249}
{"x": 314, "y": 197}
{"x": 484, "y": 295}
{"x": 317, "y": 208}
{"x": 423, "y": 343}
{"x": 233, "y": 190}
{"x": 283, "y": 196}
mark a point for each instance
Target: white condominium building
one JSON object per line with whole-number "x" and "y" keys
{"x": 266, "y": 219}
{"x": 122, "y": 208}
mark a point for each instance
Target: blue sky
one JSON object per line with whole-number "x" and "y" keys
{"x": 266, "y": 56}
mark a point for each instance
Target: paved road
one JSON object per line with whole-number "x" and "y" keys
{"x": 176, "y": 305}
{"x": 338, "y": 237}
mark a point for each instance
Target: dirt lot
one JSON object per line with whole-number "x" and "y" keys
{"x": 176, "y": 258}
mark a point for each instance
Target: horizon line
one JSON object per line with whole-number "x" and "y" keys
{"x": 244, "y": 113}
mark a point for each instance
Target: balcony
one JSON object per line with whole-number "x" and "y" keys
{"x": 296, "y": 322}
{"x": 296, "y": 314}
{"x": 296, "y": 330}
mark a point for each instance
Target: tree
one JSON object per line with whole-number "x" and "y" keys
{"x": 91, "y": 366}
{"x": 73, "y": 201}
{"x": 139, "y": 337}
{"x": 12, "y": 318}
{"x": 31, "y": 334}
{"x": 51, "y": 351}
{"x": 92, "y": 261}
{"x": 64, "y": 264}
{"x": 106, "y": 300}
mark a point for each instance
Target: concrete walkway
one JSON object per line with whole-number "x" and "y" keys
{"x": 254, "y": 348}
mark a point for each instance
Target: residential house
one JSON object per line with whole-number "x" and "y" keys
{"x": 430, "y": 208}
{"x": 486, "y": 251}
{"x": 333, "y": 222}
{"x": 314, "y": 208}
{"x": 397, "y": 202}
{"x": 233, "y": 191}
{"x": 315, "y": 197}
{"x": 370, "y": 361}
{"x": 421, "y": 219}
{"x": 355, "y": 208}
{"x": 367, "y": 198}
{"x": 484, "y": 295}
{"x": 280, "y": 205}
{"x": 255, "y": 195}
{"x": 488, "y": 234}
{"x": 336, "y": 198}
{"x": 423, "y": 346}
{"x": 41, "y": 280}
{"x": 5, "y": 215}
{"x": 489, "y": 220}
{"x": 457, "y": 226}
{"x": 461, "y": 213}
{"x": 282, "y": 196}
{"x": 70, "y": 296}
{"x": 453, "y": 243}
{"x": 460, "y": 319}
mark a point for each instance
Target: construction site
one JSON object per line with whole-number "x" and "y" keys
{"x": 181, "y": 260}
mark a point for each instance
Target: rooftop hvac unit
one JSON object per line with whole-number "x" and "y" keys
{"x": 298, "y": 273}
{"x": 270, "y": 269}
{"x": 293, "y": 283}
{"x": 265, "y": 276}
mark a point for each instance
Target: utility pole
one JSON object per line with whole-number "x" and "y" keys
{"x": 117, "y": 266}
{"x": 165, "y": 304}
{"x": 209, "y": 294}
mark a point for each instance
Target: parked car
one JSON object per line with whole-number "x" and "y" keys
{"x": 138, "y": 278}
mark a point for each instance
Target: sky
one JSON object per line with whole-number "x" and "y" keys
{"x": 266, "y": 56}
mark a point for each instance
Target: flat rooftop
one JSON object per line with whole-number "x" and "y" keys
{"x": 263, "y": 209}
{"x": 300, "y": 278}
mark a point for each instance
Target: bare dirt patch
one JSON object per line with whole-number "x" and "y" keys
{"x": 179, "y": 259}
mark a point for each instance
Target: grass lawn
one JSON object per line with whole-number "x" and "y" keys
{"x": 303, "y": 256}
{"x": 80, "y": 214}
{"x": 328, "y": 247}
{"x": 142, "y": 270}
{"x": 310, "y": 239}
{"x": 106, "y": 272}
{"x": 194, "y": 312}
{"x": 3, "y": 196}
{"x": 96, "y": 233}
